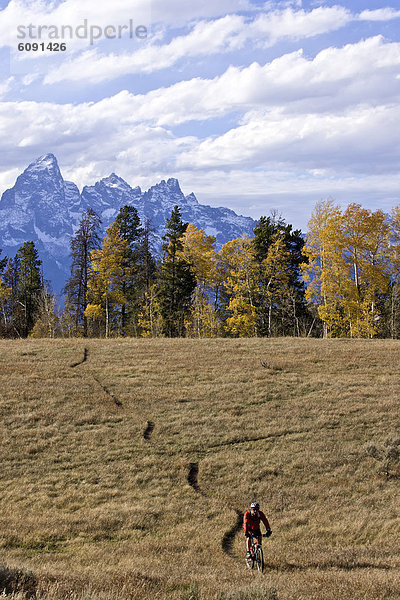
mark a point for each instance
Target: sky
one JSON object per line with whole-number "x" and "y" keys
{"x": 255, "y": 105}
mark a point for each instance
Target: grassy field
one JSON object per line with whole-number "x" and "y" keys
{"x": 126, "y": 464}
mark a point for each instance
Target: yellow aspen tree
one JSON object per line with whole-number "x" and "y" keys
{"x": 199, "y": 251}
{"x": 348, "y": 268}
{"x": 240, "y": 285}
{"x": 149, "y": 318}
{"x": 324, "y": 272}
{"x": 366, "y": 239}
{"x": 105, "y": 277}
{"x": 5, "y": 294}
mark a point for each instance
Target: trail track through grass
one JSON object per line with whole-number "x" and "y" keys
{"x": 84, "y": 359}
{"x": 127, "y": 466}
{"x": 149, "y": 430}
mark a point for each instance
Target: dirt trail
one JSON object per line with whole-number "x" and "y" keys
{"x": 149, "y": 430}
{"x": 84, "y": 359}
{"x": 115, "y": 399}
{"x": 229, "y": 537}
{"x": 193, "y": 477}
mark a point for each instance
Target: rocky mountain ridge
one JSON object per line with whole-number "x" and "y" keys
{"x": 44, "y": 208}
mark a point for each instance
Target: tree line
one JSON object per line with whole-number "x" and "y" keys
{"x": 340, "y": 280}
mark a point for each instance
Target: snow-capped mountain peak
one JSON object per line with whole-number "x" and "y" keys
{"x": 44, "y": 208}
{"x": 114, "y": 181}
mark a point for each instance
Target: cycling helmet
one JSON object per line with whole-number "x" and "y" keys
{"x": 255, "y": 505}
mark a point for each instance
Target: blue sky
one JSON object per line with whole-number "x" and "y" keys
{"x": 252, "y": 105}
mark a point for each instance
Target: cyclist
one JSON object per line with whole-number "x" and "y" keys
{"x": 251, "y": 525}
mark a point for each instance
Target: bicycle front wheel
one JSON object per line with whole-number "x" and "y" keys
{"x": 250, "y": 562}
{"x": 260, "y": 560}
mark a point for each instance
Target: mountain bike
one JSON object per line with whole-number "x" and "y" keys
{"x": 256, "y": 553}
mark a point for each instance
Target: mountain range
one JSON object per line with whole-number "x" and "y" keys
{"x": 44, "y": 208}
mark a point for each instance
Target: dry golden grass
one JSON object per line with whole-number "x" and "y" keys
{"x": 96, "y": 511}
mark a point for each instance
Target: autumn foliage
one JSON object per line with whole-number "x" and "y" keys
{"x": 341, "y": 279}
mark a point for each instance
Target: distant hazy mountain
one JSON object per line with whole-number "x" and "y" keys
{"x": 45, "y": 209}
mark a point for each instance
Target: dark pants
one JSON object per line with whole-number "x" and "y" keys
{"x": 256, "y": 533}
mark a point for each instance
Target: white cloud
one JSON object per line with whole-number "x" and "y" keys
{"x": 8, "y": 177}
{"x": 86, "y": 133}
{"x": 336, "y": 78}
{"x": 362, "y": 139}
{"x": 176, "y": 12}
{"x": 173, "y": 13}
{"x": 380, "y": 14}
{"x": 295, "y": 124}
{"x": 222, "y": 35}
{"x": 20, "y": 13}
{"x": 269, "y": 155}
{"x": 5, "y": 86}
{"x": 298, "y": 24}
{"x": 292, "y": 192}
{"x": 205, "y": 38}
{"x": 339, "y": 110}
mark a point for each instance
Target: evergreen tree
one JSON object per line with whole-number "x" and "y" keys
{"x": 392, "y": 301}
{"x": 146, "y": 311}
{"x": 176, "y": 281}
{"x": 129, "y": 229}
{"x": 138, "y": 268}
{"x": 281, "y": 290}
{"x": 9, "y": 297}
{"x": 84, "y": 241}
{"x": 3, "y": 263}
{"x": 5, "y": 294}
{"x": 29, "y": 286}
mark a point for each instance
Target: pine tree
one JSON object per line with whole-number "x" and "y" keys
{"x": 176, "y": 281}
{"x": 5, "y": 295}
{"x": 3, "y": 263}
{"x": 9, "y": 301}
{"x": 84, "y": 241}
{"x": 147, "y": 317}
{"x": 129, "y": 227}
{"x": 393, "y": 299}
{"x": 146, "y": 262}
{"x": 288, "y": 307}
{"x": 29, "y": 286}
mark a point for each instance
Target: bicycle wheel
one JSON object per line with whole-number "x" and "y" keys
{"x": 250, "y": 562}
{"x": 260, "y": 559}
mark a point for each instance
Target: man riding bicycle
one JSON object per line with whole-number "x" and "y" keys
{"x": 251, "y": 525}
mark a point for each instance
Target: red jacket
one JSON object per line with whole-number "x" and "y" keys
{"x": 252, "y": 522}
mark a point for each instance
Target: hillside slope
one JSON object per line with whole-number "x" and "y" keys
{"x": 126, "y": 465}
